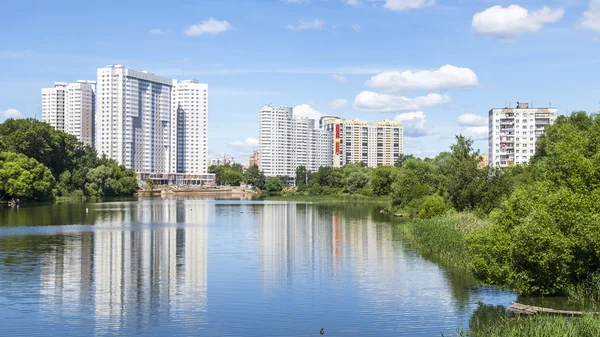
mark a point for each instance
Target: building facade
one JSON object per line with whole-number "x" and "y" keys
{"x": 133, "y": 118}
{"x": 355, "y": 141}
{"x": 189, "y": 127}
{"x": 287, "y": 142}
{"x": 253, "y": 158}
{"x": 513, "y": 133}
{"x": 70, "y": 107}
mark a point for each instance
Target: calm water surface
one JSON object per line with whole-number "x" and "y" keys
{"x": 223, "y": 268}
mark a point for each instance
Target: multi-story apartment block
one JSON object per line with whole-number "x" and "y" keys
{"x": 70, "y": 107}
{"x": 53, "y": 105}
{"x": 355, "y": 141}
{"x": 189, "y": 123}
{"x": 133, "y": 118}
{"x": 287, "y": 142}
{"x": 513, "y": 133}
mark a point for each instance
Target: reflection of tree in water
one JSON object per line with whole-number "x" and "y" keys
{"x": 485, "y": 316}
{"x": 460, "y": 281}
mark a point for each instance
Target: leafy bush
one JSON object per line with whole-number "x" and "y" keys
{"x": 432, "y": 206}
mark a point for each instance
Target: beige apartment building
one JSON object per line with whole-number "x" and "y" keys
{"x": 354, "y": 141}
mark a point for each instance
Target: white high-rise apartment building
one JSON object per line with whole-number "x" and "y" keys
{"x": 70, "y": 107}
{"x": 287, "y": 142}
{"x": 133, "y": 118}
{"x": 354, "y": 141}
{"x": 189, "y": 123}
{"x": 513, "y": 133}
{"x": 53, "y": 105}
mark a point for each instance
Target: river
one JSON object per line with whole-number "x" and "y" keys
{"x": 193, "y": 267}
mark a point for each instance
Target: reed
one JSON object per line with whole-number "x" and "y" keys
{"x": 441, "y": 239}
{"x": 537, "y": 326}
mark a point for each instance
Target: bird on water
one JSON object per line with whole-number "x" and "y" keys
{"x": 322, "y": 332}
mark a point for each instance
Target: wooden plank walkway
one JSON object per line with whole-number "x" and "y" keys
{"x": 523, "y": 309}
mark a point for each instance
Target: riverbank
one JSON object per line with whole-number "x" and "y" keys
{"x": 326, "y": 198}
{"x": 443, "y": 240}
{"x": 234, "y": 191}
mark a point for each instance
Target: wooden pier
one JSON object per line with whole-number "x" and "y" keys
{"x": 523, "y": 309}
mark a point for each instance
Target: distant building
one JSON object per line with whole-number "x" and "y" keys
{"x": 152, "y": 124}
{"x": 253, "y": 158}
{"x": 287, "y": 142}
{"x": 513, "y": 133}
{"x": 483, "y": 162}
{"x": 222, "y": 161}
{"x": 354, "y": 141}
{"x": 71, "y": 107}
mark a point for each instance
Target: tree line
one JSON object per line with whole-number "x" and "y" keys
{"x": 38, "y": 162}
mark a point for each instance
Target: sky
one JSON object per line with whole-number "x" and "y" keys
{"x": 436, "y": 66}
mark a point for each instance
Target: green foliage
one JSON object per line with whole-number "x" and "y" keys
{"x": 544, "y": 239}
{"x": 540, "y": 325}
{"x": 24, "y": 178}
{"x": 432, "y": 206}
{"x": 255, "y": 177}
{"x": 416, "y": 180}
{"x": 149, "y": 185}
{"x": 302, "y": 176}
{"x": 273, "y": 184}
{"x": 227, "y": 174}
{"x": 356, "y": 180}
{"x": 381, "y": 180}
{"x": 75, "y": 166}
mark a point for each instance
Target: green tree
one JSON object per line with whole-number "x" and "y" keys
{"x": 381, "y": 180}
{"x": 302, "y": 176}
{"x": 233, "y": 177}
{"x": 149, "y": 185}
{"x": 24, "y": 178}
{"x": 415, "y": 180}
{"x": 403, "y": 158}
{"x": 432, "y": 206}
{"x": 356, "y": 181}
{"x": 255, "y": 177}
{"x": 273, "y": 184}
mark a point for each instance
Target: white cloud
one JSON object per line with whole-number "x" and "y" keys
{"x": 472, "y": 120}
{"x": 591, "y": 17}
{"x": 447, "y": 77}
{"x": 414, "y": 123}
{"x": 403, "y": 5}
{"x": 250, "y": 143}
{"x": 210, "y": 26}
{"x": 339, "y": 78}
{"x": 157, "y": 31}
{"x": 353, "y": 3}
{"x": 10, "y": 113}
{"x": 305, "y": 110}
{"x": 338, "y": 103}
{"x": 476, "y": 132}
{"x": 307, "y": 24}
{"x": 513, "y": 21}
{"x": 356, "y": 27}
{"x": 295, "y": 1}
{"x": 425, "y": 153}
{"x": 243, "y": 92}
{"x": 373, "y": 102}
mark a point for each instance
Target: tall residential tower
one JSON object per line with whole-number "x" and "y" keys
{"x": 513, "y": 133}
{"x": 70, "y": 107}
{"x": 287, "y": 142}
{"x": 133, "y": 118}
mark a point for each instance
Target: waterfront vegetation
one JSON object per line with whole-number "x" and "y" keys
{"x": 39, "y": 163}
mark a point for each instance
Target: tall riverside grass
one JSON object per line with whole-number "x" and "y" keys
{"x": 442, "y": 239}
{"x": 538, "y": 326}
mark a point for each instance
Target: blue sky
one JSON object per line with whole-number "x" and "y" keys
{"x": 423, "y": 62}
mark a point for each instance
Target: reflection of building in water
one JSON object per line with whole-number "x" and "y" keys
{"x": 152, "y": 265}
{"x": 296, "y": 239}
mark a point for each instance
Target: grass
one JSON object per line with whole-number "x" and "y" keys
{"x": 537, "y": 326}
{"x": 441, "y": 239}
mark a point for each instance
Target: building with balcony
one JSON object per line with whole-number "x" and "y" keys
{"x": 71, "y": 107}
{"x": 514, "y": 132}
{"x": 287, "y": 142}
{"x": 354, "y": 141}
